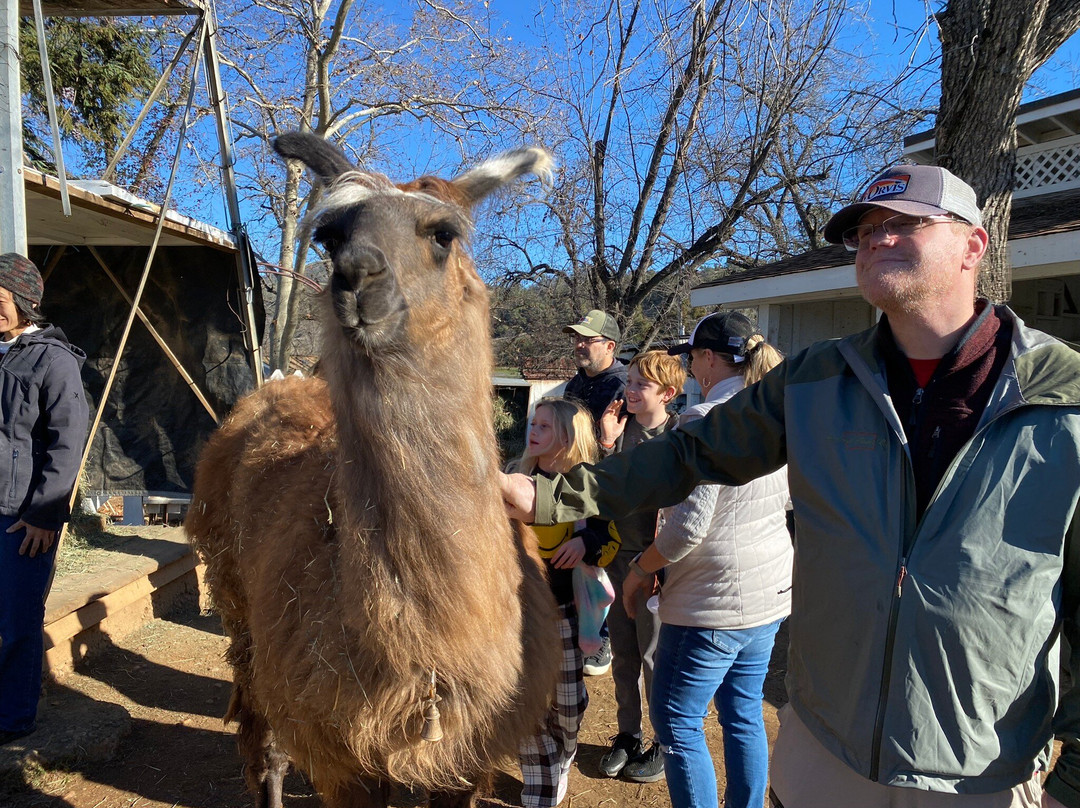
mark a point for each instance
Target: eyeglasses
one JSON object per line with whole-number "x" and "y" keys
{"x": 580, "y": 340}
{"x": 900, "y": 226}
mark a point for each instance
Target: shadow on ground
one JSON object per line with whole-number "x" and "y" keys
{"x": 140, "y": 725}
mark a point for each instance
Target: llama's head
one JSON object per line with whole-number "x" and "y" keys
{"x": 400, "y": 267}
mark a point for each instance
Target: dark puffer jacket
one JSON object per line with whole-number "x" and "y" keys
{"x": 596, "y": 392}
{"x": 44, "y": 426}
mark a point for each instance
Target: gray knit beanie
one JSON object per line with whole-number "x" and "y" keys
{"x": 20, "y": 277}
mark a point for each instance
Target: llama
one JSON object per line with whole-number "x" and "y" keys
{"x": 356, "y": 544}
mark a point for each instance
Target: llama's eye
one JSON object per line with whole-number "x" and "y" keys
{"x": 444, "y": 238}
{"x": 329, "y": 239}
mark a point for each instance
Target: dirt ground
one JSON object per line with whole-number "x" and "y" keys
{"x": 171, "y": 678}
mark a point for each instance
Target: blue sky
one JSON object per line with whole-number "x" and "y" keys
{"x": 900, "y": 37}
{"x": 897, "y": 37}
{"x": 897, "y": 33}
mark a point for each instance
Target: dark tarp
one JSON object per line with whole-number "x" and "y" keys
{"x": 153, "y": 426}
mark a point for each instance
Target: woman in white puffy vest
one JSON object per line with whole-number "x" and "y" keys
{"x": 726, "y": 555}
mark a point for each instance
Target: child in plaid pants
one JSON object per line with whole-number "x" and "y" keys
{"x": 546, "y": 756}
{"x": 561, "y": 436}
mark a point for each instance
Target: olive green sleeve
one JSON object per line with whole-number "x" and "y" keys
{"x": 1063, "y": 783}
{"x": 737, "y": 441}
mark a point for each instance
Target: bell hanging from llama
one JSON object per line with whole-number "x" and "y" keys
{"x": 432, "y": 730}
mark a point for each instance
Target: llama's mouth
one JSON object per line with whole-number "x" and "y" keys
{"x": 369, "y": 325}
{"x": 377, "y": 307}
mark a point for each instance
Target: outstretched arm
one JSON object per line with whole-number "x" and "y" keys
{"x": 736, "y": 442}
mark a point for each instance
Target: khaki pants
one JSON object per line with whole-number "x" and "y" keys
{"x": 806, "y": 775}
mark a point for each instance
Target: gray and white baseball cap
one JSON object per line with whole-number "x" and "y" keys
{"x": 912, "y": 189}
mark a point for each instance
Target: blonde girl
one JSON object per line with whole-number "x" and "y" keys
{"x": 560, "y": 437}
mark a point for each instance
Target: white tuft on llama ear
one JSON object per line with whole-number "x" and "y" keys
{"x": 490, "y": 175}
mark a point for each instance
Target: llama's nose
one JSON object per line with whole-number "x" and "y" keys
{"x": 363, "y": 288}
{"x": 358, "y": 263}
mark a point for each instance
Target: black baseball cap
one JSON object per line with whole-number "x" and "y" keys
{"x": 723, "y": 332}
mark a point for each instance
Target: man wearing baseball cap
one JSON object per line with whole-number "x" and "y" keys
{"x": 934, "y": 468}
{"x": 601, "y": 378}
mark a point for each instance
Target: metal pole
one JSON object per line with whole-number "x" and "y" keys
{"x": 245, "y": 266}
{"x": 50, "y": 101}
{"x": 12, "y": 188}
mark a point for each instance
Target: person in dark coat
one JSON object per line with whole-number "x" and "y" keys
{"x": 42, "y": 436}
{"x": 601, "y": 378}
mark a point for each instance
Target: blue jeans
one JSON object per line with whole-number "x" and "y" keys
{"x": 694, "y": 665}
{"x": 22, "y": 614}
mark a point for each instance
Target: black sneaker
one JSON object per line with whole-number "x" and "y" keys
{"x": 648, "y": 767}
{"x": 599, "y": 663}
{"x": 624, "y": 747}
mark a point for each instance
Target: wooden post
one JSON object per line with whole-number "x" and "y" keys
{"x": 246, "y": 270}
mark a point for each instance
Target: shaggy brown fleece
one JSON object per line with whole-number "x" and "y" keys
{"x": 355, "y": 539}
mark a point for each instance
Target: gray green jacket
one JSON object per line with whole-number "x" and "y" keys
{"x": 923, "y": 651}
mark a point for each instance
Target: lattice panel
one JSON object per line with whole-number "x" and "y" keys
{"x": 1048, "y": 167}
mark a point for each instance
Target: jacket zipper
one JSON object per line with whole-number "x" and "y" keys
{"x": 14, "y": 471}
{"x": 916, "y": 400}
{"x": 14, "y": 452}
{"x": 915, "y": 421}
{"x": 886, "y": 672}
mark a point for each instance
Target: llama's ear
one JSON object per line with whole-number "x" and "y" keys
{"x": 489, "y": 176}
{"x": 325, "y": 159}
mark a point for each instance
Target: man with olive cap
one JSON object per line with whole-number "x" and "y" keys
{"x": 601, "y": 378}
{"x": 934, "y": 468}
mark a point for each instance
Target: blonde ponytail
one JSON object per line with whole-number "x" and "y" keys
{"x": 761, "y": 357}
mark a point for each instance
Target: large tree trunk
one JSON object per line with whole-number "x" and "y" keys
{"x": 989, "y": 50}
{"x": 279, "y": 336}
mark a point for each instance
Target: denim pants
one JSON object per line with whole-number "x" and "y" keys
{"x": 22, "y": 614}
{"x": 694, "y": 665}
